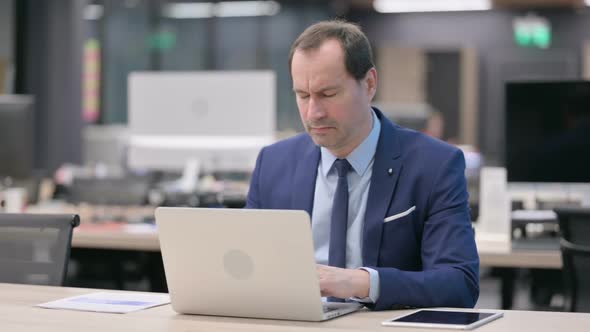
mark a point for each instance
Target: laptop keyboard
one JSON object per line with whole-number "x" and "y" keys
{"x": 327, "y": 307}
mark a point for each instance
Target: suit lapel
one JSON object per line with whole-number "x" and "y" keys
{"x": 304, "y": 178}
{"x": 383, "y": 182}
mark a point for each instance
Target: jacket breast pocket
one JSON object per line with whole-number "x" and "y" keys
{"x": 400, "y": 215}
{"x": 400, "y": 243}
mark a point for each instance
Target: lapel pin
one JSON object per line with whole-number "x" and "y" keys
{"x": 390, "y": 171}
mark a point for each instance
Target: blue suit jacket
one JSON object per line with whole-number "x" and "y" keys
{"x": 427, "y": 258}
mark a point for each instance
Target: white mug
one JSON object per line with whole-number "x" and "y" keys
{"x": 15, "y": 200}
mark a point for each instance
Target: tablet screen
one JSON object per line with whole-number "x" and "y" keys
{"x": 443, "y": 317}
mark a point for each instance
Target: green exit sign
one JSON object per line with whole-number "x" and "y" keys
{"x": 532, "y": 31}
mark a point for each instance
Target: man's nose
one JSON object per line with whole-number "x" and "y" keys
{"x": 315, "y": 109}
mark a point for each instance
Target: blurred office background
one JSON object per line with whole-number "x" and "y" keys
{"x": 445, "y": 68}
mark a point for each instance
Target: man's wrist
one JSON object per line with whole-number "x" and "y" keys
{"x": 362, "y": 282}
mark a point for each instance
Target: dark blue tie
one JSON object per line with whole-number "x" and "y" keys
{"x": 339, "y": 222}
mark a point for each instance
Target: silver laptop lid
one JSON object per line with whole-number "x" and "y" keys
{"x": 245, "y": 263}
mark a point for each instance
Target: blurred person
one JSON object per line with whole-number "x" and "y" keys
{"x": 435, "y": 125}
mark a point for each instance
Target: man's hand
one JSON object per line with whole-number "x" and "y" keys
{"x": 343, "y": 283}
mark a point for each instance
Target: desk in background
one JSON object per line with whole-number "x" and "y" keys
{"x": 117, "y": 236}
{"x": 516, "y": 258}
{"x": 145, "y": 238}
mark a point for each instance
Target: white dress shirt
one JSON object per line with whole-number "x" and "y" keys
{"x": 359, "y": 181}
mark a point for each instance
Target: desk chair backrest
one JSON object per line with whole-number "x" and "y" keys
{"x": 35, "y": 248}
{"x": 574, "y": 225}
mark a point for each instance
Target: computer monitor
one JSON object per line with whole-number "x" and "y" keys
{"x": 548, "y": 131}
{"x": 220, "y": 118}
{"x": 16, "y": 136}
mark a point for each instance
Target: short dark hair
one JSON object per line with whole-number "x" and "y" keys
{"x": 358, "y": 56}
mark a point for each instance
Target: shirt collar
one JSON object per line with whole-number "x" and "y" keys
{"x": 359, "y": 158}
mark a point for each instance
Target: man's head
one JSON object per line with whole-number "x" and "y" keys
{"x": 334, "y": 80}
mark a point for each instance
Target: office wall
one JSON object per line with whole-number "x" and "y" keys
{"x": 49, "y": 67}
{"x": 490, "y": 34}
{"x": 6, "y": 40}
{"x": 126, "y": 27}
{"x": 6, "y": 31}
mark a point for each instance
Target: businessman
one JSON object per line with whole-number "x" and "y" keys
{"x": 388, "y": 205}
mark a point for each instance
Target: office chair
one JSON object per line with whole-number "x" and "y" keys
{"x": 35, "y": 248}
{"x": 574, "y": 224}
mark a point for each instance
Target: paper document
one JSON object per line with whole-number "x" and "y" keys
{"x": 141, "y": 228}
{"x": 109, "y": 302}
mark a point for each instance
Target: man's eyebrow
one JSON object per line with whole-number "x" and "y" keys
{"x": 331, "y": 87}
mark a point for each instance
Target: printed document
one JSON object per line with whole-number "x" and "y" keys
{"x": 109, "y": 302}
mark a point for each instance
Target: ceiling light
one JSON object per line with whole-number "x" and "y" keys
{"x": 220, "y": 9}
{"x": 188, "y": 10}
{"x": 247, "y": 8}
{"x": 406, "y": 6}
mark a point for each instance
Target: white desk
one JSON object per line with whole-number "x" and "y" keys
{"x": 18, "y": 314}
{"x": 120, "y": 237}
{"x": 538, "y": 259}
{"x": 146, "y": 239}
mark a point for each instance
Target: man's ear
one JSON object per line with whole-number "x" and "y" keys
{"x": 371, "y": 80}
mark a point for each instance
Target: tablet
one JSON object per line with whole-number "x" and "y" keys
{"x": 446, "y": 319}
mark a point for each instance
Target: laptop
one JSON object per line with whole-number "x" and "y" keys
{"x": 243, "y": 263}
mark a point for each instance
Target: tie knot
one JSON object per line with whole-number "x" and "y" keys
{"x": 342, "y": 167}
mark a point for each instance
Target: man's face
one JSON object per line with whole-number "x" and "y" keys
{"x": 334, "y": 107}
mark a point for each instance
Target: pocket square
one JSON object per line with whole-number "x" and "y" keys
{"x": 401, "y": 214}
